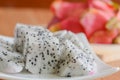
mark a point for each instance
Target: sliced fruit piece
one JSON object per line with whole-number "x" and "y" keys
{"x": 65, "y": 9}
{"x": 104, "y": 37}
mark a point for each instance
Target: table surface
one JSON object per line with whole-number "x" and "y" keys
{"x": 10, "y": 16}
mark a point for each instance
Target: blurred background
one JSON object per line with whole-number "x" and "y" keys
{"x": 34, "y": 12}
{"x": 24, "y": 11}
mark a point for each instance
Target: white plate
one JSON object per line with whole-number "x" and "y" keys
{"x": 103, "y": 70}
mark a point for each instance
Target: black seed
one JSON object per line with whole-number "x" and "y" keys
{"x": 53, "y": 67}
{"x": 58, "y": 61}
{"x": 34, "y": 36}
{"x": 74, "y": 60}
{"x": 1, "y": 59}
{"x": 58, "y": 67}
{"x": 45, "y": 47}
{"x": 53, "y": 42}
{"x": 53, "y": 56}
{"x": 68, "y": 76}
{"x": 83, "y": 68}
{"x": 32, "y": 63}
{"x": 87, "y": 60}
{"x": 43, "y": 67}
{"x": 35, "y": 59}
{"x": 26, "y": 32}
{"x": 70, "y": 51}
{"x": 68, "y": 55}
{"x": 48, "y": 62}
{"x": 47, "y": 52}
{"x": 4, "y": 53}
{"x": 15, "y": 62}
{"x": 55, "y": 60}
{"x": 42, "y": 55}
{"x": 36, "y": 56}
{"x": 53, "y": 49}
{"x": 43, "y": 58}
{"x": 67, "y": 62}
{"x": 77, "y": 57}
{"x": 52, "y": 61}
{"x": 40, "y": 71}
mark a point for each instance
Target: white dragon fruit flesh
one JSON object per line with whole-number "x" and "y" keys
{"x": 21, "y": 32}
{"x": 9, "y": 45}
{"x": 10, "y": 62}
{"x": 68, "y": 35}
{"x": 75, "y": 62}
{"x": 41, "y": 50}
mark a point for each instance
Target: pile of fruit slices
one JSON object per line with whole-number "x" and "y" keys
{"x": 98, "y": 19}
{"x": 40, "y": 51}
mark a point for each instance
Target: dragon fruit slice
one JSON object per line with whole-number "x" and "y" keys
{"x": 41, "y": 50}
{"x": 68, "y": 35}
{"x": 7, "y": 44}
{"x": 21, "y": 32}
{"x": 80, "y": 40}
{"x": 76, "y": 62}
{"x": 11, "y": 62}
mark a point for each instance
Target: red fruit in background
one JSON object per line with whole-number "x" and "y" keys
{"x": 70, "y": 24}
{"x": 114, "y": 23}
{"x": 103, "y": 37}
{"x": 53, "y": 21}
{"x": 118, "y": 15}
{"x": 94, "y": 20}
{"x": 65, "y": 9}
{"x": 104, "y": 5}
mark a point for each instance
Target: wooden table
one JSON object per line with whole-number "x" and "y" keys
{"x": 36, "y": 16}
